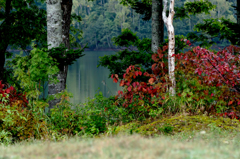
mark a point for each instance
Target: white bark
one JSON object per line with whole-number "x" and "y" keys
{"x": 54, "y": 23}
{"x": 171, "y": 44}
{"x": 55, "y": 38}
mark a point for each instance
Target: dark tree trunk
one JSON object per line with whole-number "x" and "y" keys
{"x": 161, "y": 33}
{"x": 4, "y": 41}
{"x": 66, "y": 6}
{"x": 157, "y": 25}
{"x": 238, "y": 16}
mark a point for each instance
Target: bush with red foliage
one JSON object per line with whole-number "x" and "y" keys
{"x": 220, "y": 70}
{"x": 208, "y": 68}
{"x": 13, "y": 95}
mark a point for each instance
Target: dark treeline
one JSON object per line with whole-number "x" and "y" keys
{"x": 103, "y": 19}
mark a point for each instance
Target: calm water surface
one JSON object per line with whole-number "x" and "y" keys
{"x": 84, "y": 78}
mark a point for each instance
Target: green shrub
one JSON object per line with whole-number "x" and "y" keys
{"x": 17, "y": 122}
{"x": 89, "y": 118}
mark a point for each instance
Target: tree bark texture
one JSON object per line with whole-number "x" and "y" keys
{"x": 4, "y": 41}
{"x": 171, "y": 45}
{"x": 238, "y": 16}
{"x": 157, "y": 25}
{"x": 66, "y": 7}
{"x": 55, "y": 38}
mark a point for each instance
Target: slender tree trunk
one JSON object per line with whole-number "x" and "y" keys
{"x": 66, "y": 6}
{"x": 171, "y": 45}
{"x": 238, "y": 16}
{"x": 157, "y": 25}
{"x": 4, "y": 41}
{"x": 108, "y": 42}
{"x": 133, "y": 16}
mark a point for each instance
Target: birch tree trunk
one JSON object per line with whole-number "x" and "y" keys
{"x": 157, "y": 25}
{"x": 55, "y": 38}
{"x": 171, "y": 45}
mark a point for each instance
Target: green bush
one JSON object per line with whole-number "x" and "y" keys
{"x": 17, "y": 121}
{"x": 90, "y": 118}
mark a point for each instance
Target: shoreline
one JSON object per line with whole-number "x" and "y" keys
{"x": 101, "y": 49}
{"x": 214, "y": 47}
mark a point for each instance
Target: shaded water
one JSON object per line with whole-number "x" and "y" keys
{"x": 84, "y": 78}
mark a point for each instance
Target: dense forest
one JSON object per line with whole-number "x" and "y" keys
{"x": 104, "y": 19}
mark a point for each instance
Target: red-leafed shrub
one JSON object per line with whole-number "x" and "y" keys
{"x": 206, "y": 82}
{"x": 20, "y": 123}
{"x": 219, "y": 71}
{"x": 14, "y": 97}
{"x": 138, "y": 96}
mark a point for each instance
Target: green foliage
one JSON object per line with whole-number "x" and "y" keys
{"x": 16, "y": 123}
{"x": 127, "y": 38}
{"x": 63, "y": 56}
{"x": 196, "y": 7}
{"x": 25, "y": 24}
{"x": 32, "y": 70}
{"x": 225, "y": 29}
{"x": 90, "y": 118}
{"x": 117, "y": 64}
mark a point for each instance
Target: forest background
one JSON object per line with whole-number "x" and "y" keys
{"x": 104, "y": 19}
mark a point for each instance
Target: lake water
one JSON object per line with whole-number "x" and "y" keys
{"x": 84, "y": 78}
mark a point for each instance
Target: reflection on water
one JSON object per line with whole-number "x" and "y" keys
{"x": 84, "y": 78}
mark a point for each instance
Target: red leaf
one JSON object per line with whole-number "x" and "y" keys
{"x": 146, "y": 74}
{"x": 128, "y": 83}
{"x": 134, "y": 84}
{"x": 121, "y": 83}
{"x": 230, "y": 102}
{"x": 199, "y": 72}
{"x": 151, "y": 80}
{"x": 160, "y": 55}
{"x": 129, "y": 88}
{"x": 144, "y": 90}
{"x": 7, "y": 90}
{"x": 140, "y": 73}
{"x": 11, "y": 88}
{"x": 139, "y": 88}
{"x": 120, "y": 92}
{"x": 136, "y": 73}
{"x": 115, "y": 80}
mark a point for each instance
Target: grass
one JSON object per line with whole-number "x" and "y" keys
{"x": 198, "y": 145}
{"x": 202, "y": 140}
{"x": 210, "y": 142}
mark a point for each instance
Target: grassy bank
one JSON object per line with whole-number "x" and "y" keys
{"x": 198, "y": 145}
